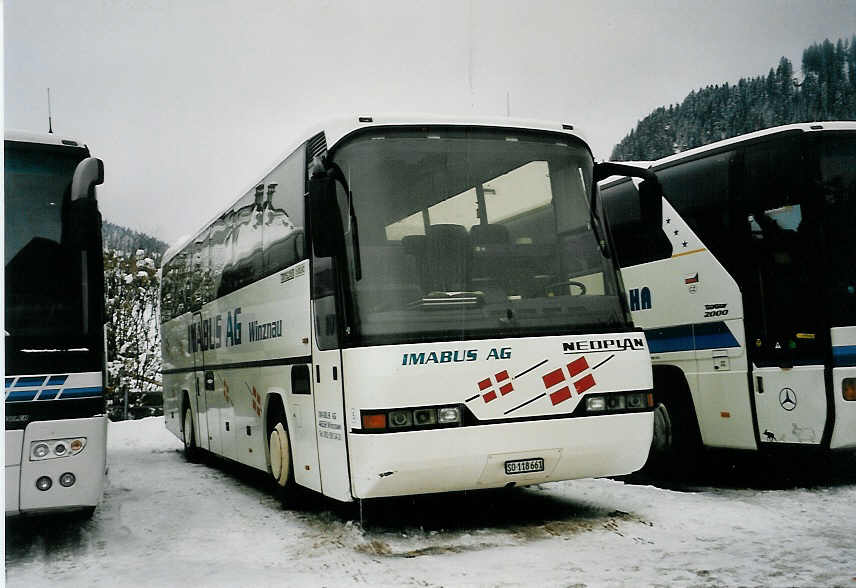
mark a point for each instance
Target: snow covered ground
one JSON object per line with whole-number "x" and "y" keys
{"x": 166, "y": 522}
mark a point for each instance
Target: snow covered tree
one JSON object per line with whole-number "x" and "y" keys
{"x": 133, "y": 334}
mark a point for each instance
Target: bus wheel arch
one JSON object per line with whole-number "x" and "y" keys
{"x": 191, "y": 447}
{"x": 677, "y": 437}
{"x": 280, "y": 454}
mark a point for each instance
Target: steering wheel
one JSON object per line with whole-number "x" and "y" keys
{"x": 549, "y": 287}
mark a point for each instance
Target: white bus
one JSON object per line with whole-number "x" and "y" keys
{"x": 406, "y": 306}
{"x": 56, "y": 426}
{"x": 748, "y": 295}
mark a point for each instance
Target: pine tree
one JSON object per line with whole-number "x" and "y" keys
{"x": 827, "y": 92}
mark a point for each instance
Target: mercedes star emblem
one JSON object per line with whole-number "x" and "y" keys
{"x": 788, "y": 399}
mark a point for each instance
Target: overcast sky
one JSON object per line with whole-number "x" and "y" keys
{"x": 188, "y": 102}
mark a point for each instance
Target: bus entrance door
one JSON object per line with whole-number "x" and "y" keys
{"x": 202, "y": 438}
{"x": 785, "y": 327}
{"x": 790, "y": 404}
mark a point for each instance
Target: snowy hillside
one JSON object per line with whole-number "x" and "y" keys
{"x": 166, "y": 522}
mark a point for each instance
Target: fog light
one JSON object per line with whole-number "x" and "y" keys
{"x": 635, "y": 400}
{"x": 67, "y": 479}
{"x": 60, "y": 449}
{"x": 40, "y": 450}
{"x": 595, "y": 403}
{"x": 44, "y": 483}
{"x": 615, "y": 402}
{"x": 425, "y": 416}
{"x": 848, "y": 388}
{"x": 400, "y": 418}
{"x": 449, "y": 414}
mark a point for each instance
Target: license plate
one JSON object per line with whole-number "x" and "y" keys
{"x": 524, "y": 466}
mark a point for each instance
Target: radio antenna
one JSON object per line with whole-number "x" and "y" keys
{"x": 50, "y": 123}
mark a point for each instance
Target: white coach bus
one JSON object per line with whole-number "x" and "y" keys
{"x": 748, "y": 296}
{"x": 408, "y": 306}
{"x": 56, "y": 426}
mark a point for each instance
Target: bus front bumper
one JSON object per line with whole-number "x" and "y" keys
{"x": 422, "y": 462}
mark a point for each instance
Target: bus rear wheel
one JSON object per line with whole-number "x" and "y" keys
{"x": 281, "y": 465}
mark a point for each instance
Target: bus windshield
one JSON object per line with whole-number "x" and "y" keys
{"x": 473, "y": 233}
{"x": 44, "y": 278}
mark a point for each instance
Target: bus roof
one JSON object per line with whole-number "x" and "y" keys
{"x": 42, "y": 138}
{"x": 337, "y": 128}
{"x": 808, "y": 127}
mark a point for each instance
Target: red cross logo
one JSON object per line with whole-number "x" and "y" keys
{"x": 497, "y": 380}
{"x": 557, "y": 377}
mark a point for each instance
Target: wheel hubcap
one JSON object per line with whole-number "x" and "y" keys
{"x": 188, "y": 428}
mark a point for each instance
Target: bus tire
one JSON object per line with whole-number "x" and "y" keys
{"x": 281, "y": 464}
{"x": 676, "y": 441}
{"x": 191, "y": 450}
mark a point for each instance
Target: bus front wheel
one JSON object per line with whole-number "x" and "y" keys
{"x": 191, "y": 452}
{"x": 281, "y": 466}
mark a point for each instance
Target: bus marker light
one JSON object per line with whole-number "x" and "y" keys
{"x": 374, "y": 421}
{"x": 424, "y": 416}
{"x": 400, "y": 418}
{"x": 44, "y": 483}
{"x": 848, "y": 388}
{"x": 595, "y": 403}
{"x": 67, "y": 479}
{"x": 449, "y": 414}
{"x": 40, "y": 450}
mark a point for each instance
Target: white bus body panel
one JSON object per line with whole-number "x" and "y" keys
{"x": 790, "y": 403}
{"x": 844, "y": 360}
{"x": 431, "y": 374}
{"x": 230, "y": 419}
{"x": 14, "y": 443}
{"x": 474, "y": 457}
{"x": 88, "y": 466}
{"x": 692, "y": 289}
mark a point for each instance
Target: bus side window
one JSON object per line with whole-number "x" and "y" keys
{"x": 197, "y": 271}
{"x": 700, "y": 191}
{"x": 218, "y": 253}
{"x": 243, "y": 246}
{"x": 284, "y": 214}
{"x": 634, "y": 241}
{"x": 167, "y": 302}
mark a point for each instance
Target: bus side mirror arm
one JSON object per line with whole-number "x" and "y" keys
{"x": 88, "y": 174}
{"x": 650, "y": 190}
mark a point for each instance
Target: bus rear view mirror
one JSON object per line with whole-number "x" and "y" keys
{"x": 325, "y": 216}
{"x": 88, "y": 174}
{"x": 650, "y": 191}
{"x": 651, "y": 203}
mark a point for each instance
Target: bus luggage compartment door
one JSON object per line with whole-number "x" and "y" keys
{"x": 790, "y": 403}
